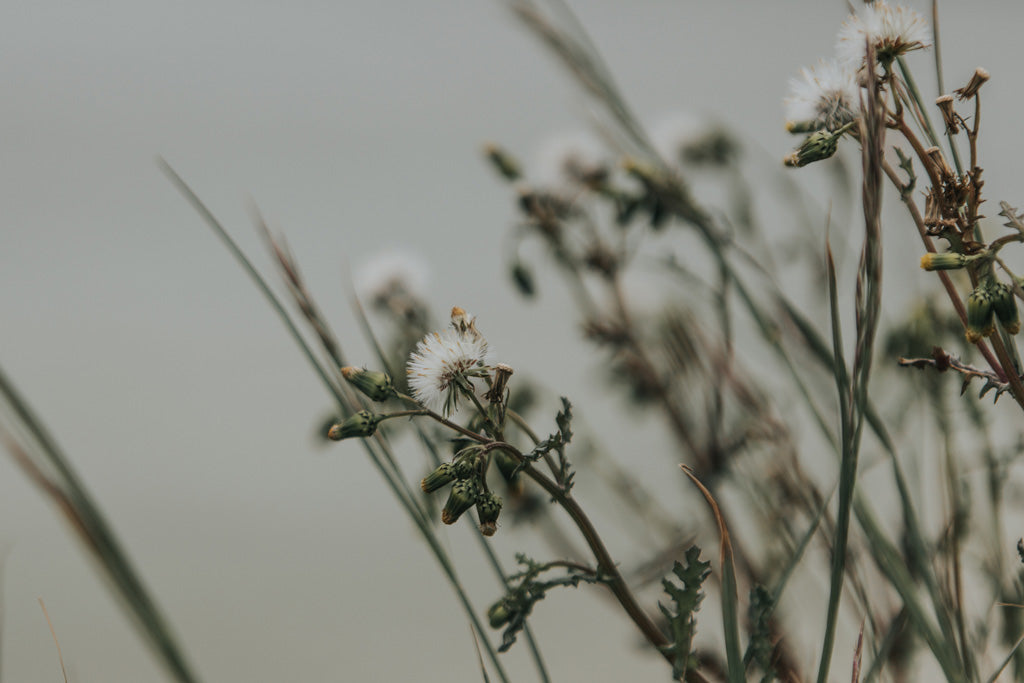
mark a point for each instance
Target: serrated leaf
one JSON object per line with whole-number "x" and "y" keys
{"x": 686, "y": 598}
{"x": 759, "y": 647}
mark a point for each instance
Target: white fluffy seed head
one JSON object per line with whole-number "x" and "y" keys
{"x": 436, "y": 362}
{"x": 892, "y": 30}
{"x": 824, "y": 96}
{"x": 391, "y": 272}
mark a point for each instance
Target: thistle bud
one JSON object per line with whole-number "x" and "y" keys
{"x": 945, "y": 104}
{"x": 462, "y": 497}
{"x": 523, "y": 279}
{"x": 376, "y": 386}
{"x": 465, "y": 464}
{"x": 363, "y": 423}
{"x": 980, "y": 314}
{"x": 499, "y": 614}
{"x": 973, "y": 85}
{"x": 488, "y": 507}
{"x": 442, "y": 476}
{"x": 816, "y": 147}
{"x": 946, "y": 261}
{"x": 503, "y": 162}
{"x": 1004, "y": 303}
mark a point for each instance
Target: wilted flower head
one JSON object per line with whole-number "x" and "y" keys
{"x": 892, "y": 31}
{"x": 824, "y": 96}
{"x": 441, "y": 358}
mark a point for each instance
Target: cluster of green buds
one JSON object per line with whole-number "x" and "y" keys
{"x": 991, "y": 300}
{"x": 376, "y": 386}
{"x": 465, "y": 475}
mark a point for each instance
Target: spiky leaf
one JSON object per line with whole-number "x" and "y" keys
{"x": 686, "y": 599}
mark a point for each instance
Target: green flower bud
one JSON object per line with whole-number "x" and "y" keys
{"x": 499, "y": 614}
{"x": 374, "y": 385}
{"x": 523, "y": 279}
{"x": 1004, "y": 303}
{"x": 462, "y": 497}
{"x": 488, "y": 507}
{"x": 817, "y": 146}
{"x": 464, "y": 466}
{"x": 503, "y": 162}
{"x": 947, "y": 261}
{"x": 363, "y": 423}
{"x": 980, "y": 314}
{"x": 442, "y": 476}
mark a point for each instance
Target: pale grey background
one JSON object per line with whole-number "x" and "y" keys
{"x": 355, "y": 126}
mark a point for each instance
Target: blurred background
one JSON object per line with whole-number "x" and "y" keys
{"x": 356, "y": 127}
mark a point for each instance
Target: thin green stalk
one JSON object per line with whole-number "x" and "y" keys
{"x": 937, "y": 43}
{"x": 1006, "y": 661}
{"x": 847, "y": 463}
{"x": 877, "y": 542}
{"x": 867, "y": 303}
{"x": 915, "y": 94}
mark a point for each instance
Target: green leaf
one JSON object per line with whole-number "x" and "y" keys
{"x": 686, "y": 598}
{"x": 760, "y": 648}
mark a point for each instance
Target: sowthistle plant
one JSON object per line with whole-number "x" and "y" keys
{"x": 734, "y": 419}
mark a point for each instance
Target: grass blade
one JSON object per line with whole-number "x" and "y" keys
{"x": 1006, "y": 661}
{"x": 36, "y": 452}
{"x": 730, "y": 598}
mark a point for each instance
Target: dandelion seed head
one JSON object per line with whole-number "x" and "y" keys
{"x": 390, "y": 273}
{"x": 893, "y": 30}
{"x": 567, "y": 157}
{"x": 438, "y": 359}
{"x": 824, "y": 96}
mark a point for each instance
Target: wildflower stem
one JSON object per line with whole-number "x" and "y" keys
{"x": 467, "y": 390}
{"x": 522, "y": 424}
{"x": 605, "y": 564}
{"x": 444, "y": 421}
{"x": 926, "y": 161}
{"x": 402, "y": 413}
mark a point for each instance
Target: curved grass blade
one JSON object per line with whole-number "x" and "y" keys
{"x": 730, "y": 599}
